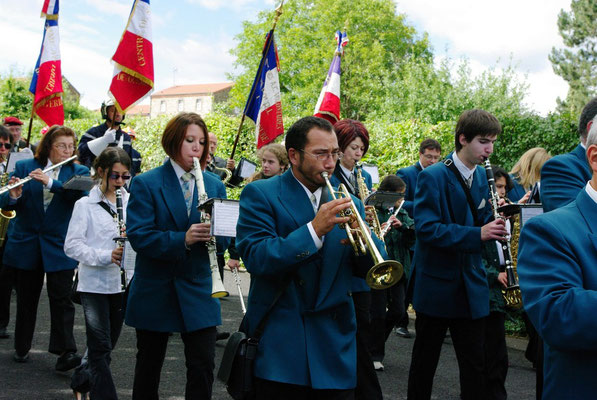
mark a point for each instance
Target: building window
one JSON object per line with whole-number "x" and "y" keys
{"x": 198, "y": 105}
{"x": 163, "y": 106}
{"x": 180, "y": 105}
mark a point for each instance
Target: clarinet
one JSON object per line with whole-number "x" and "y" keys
{"x": 217, "y": 287}
{"x": 511, "y": 293}
{"x": 121, "y": 238}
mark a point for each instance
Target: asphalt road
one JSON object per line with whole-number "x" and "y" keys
{"x": 37, "y": 379}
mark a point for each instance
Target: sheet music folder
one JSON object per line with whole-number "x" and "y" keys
{"x": 79, "y": 182}
{"x": 383, "y": 200}
{"x": 224, "y": 216}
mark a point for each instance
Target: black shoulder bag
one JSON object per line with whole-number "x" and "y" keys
{"x": 236, "y": 368}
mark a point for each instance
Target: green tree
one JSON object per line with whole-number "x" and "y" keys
{"x": 381, "y": 42}
{"x": 576, "y": 63}
{"x": 15, "y": 99}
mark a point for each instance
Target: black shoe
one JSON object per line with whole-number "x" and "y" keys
{"x": 222, "y": 335}
{"x": 4, "y": 334}
{"x": 67, "y": 361}
{"x": 21, "y": 359}
{"x": 403, "y": 332}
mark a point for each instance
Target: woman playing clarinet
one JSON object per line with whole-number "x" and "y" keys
{"x": 171, "y": 290}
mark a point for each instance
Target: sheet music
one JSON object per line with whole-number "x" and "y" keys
{"x": 128, "y": 260}
{"x": 527, "y": 213}
{"x": 14, "y": 157}
{"x": 373, "y": 171}
{"x": 224, "y": 217}
{"x": 247, "y": 169}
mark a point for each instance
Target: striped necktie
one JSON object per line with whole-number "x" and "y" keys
{"x": 48, "y": 196}
{"x": 186, "y": 190}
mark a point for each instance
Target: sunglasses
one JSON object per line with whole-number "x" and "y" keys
{"x": 7, "y": 146}
{"x": 115, "y": 176}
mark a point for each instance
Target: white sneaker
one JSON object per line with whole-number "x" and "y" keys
{"x": 378, "y": 365}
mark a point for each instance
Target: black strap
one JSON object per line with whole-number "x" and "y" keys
{"x": 467, "y": 191}
{"x": 261, "y": 326}
{"x": 108, "y": 209}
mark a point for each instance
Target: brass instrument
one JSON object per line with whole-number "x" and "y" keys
{"x": 388, "y": 226}
{"x": 384, "y": 273}
{"x": 5, "y": 215}
{"x": 226, "y": 171}
{"x": 511, "y": 293}
{"x": 6, "y": 188}
{"x": 217, "y": 287}
{"x": 121, "y": 238}
{"x": 363, "y": 193}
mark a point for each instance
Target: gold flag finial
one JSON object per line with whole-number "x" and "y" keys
{"x": 278, "y": 13}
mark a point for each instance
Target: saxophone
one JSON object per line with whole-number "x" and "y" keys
{"x": 363, "y": 193}
{"x": 5, "y": 215}
{"x": 511, "y": 293}
{"x": 217, "y": 287}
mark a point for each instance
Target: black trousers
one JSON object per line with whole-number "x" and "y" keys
{"x": 270, "y": 390}
{"x": 368, "y": 387}
{"x": 468, "y": 337}
{"x": 496, "y": 356}
{"x": 199, "y": 351}
{"x": 7, "y": 277}
{"x": 62, "y": 311}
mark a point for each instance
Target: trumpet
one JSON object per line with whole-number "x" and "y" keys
{"x": 388, "y": 226}
{"x": 6, "y": 188}
{"x": 384, "y": 273}
{"x": 217, "y": 287}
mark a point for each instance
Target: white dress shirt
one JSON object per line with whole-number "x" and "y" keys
{"x": 179, "y": 173}
{"x": 90, "y": 241}
{"x": 318, "y": 242}
{"x": 463, "y": 169}
{"x": 591, "y": 192}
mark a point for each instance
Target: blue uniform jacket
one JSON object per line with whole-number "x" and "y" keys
{"x": 562, "y": 177}
{"x": 36, "y": 236}
{"x": 409, "y": 176}
{"x": 171, "y": 289}
{"x": 309, "y": 338}
{"x": 450, "y": 280}
{"x": 558, "y": 277}
{"x": 517, "y": 192}
{"x": 358, "y": 284}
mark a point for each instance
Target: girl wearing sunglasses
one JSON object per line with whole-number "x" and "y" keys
{"x": 90, "y": 241}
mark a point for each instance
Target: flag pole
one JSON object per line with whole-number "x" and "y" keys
{"x": 30, "y": 125}
{"x": 242, "y": 120}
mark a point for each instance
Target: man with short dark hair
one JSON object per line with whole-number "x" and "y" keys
{"x": 558, "y": 279}
{"x": 564, "y": 175}
{"x": 290, "y": 241}
{"x": 429, "y": 153}
{"x": 453, "y": 218}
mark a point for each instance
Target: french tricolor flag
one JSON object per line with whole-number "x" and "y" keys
{"x": 133, "y": 60}
{"x": 50, "y": 9}
{"x": 328, "y": 104}
{"x": 46, "y": 84}
{"x": 264, "y": 104}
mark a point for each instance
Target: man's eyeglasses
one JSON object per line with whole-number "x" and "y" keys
{"x": 430, "y": 157}
{"x": 115, "y": 176}
{"x": 7, "y": 146}
{"x": 335, "y": 155}
{"x": 62, "y": 146}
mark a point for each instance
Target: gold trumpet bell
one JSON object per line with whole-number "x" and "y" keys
{"x": 384, "y": 274}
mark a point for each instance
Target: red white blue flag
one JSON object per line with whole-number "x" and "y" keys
{"x": 328, "y": 104}
{"x": 50, "y": 9}
{"x": 46, "y": 84}
{"x": 133, "y": 60}
{"x": 264, "y": 104}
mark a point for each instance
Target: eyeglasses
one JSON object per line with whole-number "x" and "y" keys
{"x": 430, "y": 157}
{"x": 62, "y": 146}
{"x": 116, "y": 176}
{"x": 7, "y": 146}
{"x": 335, "y": 155}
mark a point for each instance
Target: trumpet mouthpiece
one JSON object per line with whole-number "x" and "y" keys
{"x": 325, "y": 174}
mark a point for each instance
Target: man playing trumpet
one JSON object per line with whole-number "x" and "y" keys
{"x": 288, "y": 231}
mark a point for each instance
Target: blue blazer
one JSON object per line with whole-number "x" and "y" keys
{"x": 309, "y": 338}
{"x": 171, "y": 289}
{"x": 358, "y": 284}
{"x": 517, "y": 192}
{"x": 409, "y": 176}
{"x": 450, "y": 280}
{"x": 558, "y": 278}
{"x": 562, "y": 177}
{"x": 36, "y": 236}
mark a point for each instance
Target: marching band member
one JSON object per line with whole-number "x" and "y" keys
{"x": 90, "y": 241}
{"x": 6, "y": 274}
{"x": 353, "y": 140}
{"x": 526, "y": 173}
{"x": 35, "y": 243}
{"x": 171, "y": 290}
{"x": 452, "y": 219}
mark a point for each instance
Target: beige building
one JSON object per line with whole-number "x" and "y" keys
{"x": 196, "y": 98}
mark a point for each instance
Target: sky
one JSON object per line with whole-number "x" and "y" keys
{"x": 192, "y": 39}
